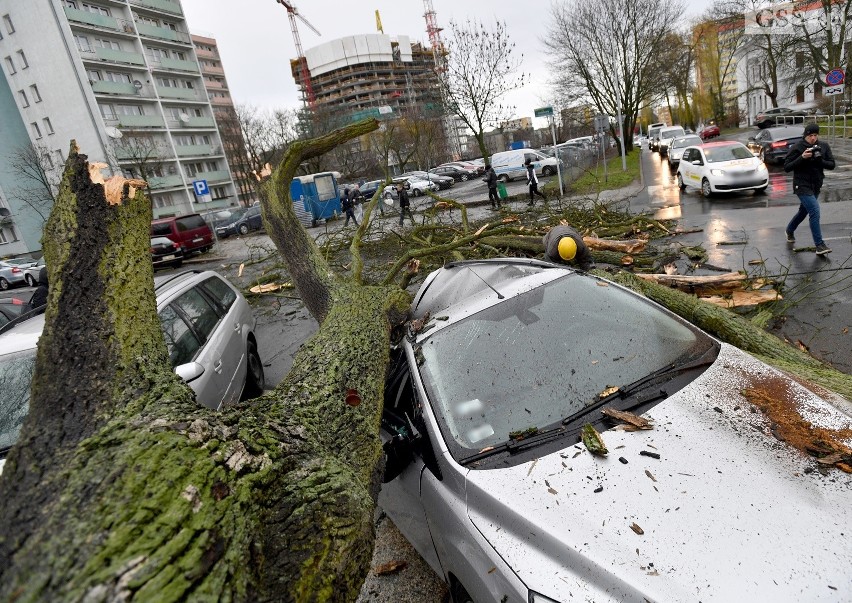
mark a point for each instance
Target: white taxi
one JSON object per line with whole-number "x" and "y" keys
{"x": 722, "y": 167}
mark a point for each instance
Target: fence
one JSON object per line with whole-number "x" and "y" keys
{"x": 832, "y": 126}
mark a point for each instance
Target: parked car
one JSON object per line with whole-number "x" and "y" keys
{"x": 31, "y": 273}
{"x": 487, "y": 477}
{"x": 665, "y": 135}
{"x": 772, "y": 144}
{"x": 476, "y": 166}
{"x": 678, "y": 145}
{"x": 242, "y": 221}
{"x": 722, "y": 167}
{"x": 368, "y": 189}
{"x": 457, "y": 172}
{"x": 653, "y": 136}
{"x": 708, "y": 132}
{"x": 416, "y": 185}
{"x": 209, "y": 330}
{"x": 779, "y": 116}
{"x": 12, "y": 271}
{"x": 443, "y": 182}
{"x": 190, "y": 231}
{"x": 165, "y": 252}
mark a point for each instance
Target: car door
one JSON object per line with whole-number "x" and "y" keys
{"x": 686, "y": 166}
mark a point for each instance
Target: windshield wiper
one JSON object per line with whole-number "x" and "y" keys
{"x": 633, "y": 388}
{"x": 515, "y": 446}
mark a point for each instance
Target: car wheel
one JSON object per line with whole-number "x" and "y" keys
{"x": 244, "y": 229}
{"x": 705, "y": 188}
{"x": 464, "y": 177}
{"x": 680, "y": 184}
{"x": 416, "y": 192}
{"x": 503, "y": 178}
{"x": 4, "y": 284}
{"x": 459, "y": 594}
{"x": 254, "y": 373}
{"x": 30, "y": 280}
{"x": 547, "y": 171}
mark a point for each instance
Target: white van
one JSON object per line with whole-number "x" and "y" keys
{"x": 666, "y": 135}
{"x": 510, "y": 164}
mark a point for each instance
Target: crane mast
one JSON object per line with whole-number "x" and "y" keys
{"x": 292, "y": 13}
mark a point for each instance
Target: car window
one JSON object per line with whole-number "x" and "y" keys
{"x": 162, "y": 229}
{"x": 688, "y": 155}
{"x": 189, "y": 222}
{"x": 219, "y": 291}
{"x": 534, "y": 359}
{"x": 181, "y": 342}
{"x": 16, "y": 374}
{"x": 717, "y": 154}
{"x": 763, "y": 135}
{"x": 199, "y": 311}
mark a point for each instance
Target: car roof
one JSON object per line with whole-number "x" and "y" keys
{"x": 722, "y": 143}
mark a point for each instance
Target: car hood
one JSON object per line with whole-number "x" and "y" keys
{"x": 727, "y": 513}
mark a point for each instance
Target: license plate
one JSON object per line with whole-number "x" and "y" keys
{"x": 198, "y": 240}
{"x": 168, "y": 257}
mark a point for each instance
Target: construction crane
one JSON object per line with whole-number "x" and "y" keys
{"x": 293, "y": 12}
{"x": 434, "y": 35}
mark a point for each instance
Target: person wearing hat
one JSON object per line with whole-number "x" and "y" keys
{"x": 563, "y": 244}
{"x": 807, "y": 159}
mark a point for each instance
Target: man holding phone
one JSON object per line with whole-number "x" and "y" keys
{"x": 807, "y": 159}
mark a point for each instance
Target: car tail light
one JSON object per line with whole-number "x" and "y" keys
{"x": 779, "y": 144}
{"x": 16, "y": 270}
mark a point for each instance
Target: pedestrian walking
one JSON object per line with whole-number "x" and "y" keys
{"x": 807, "y": 159}
{"x": 404, "y": 204}
{"x": 491, "y": 180}
{"x": 39, "y": 297}
{"x": 348, "y": 204}
{"x": 532, "y": 180}
{"x": 563, "y": 245}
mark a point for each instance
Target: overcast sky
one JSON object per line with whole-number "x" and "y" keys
{"x": 256, "y": 44}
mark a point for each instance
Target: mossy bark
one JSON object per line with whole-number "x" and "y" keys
{"x": 124, "y": 488}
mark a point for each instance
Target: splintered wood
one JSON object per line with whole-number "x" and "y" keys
{"x": 634, "y": 422}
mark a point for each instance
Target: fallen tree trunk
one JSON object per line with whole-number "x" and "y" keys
{"x": 122, "y": 487}
{"x": 708, "y": 283}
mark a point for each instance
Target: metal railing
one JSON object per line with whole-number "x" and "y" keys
{"x": 832, "y": 126}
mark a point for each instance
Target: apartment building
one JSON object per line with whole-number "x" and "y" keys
{"x": 216, "y": 84}
{"x": 121, "y": 77}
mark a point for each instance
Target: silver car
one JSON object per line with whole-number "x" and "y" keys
{"x": 678, "y": 146}
{"x": 209, "y": 330}
{"x": 508, "y": 361}
{"x": 13, "y": 271}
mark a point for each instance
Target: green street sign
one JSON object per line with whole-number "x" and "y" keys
{"x": 543, "y": 112}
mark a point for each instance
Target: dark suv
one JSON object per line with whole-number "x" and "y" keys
{"x": 241, "y": 221}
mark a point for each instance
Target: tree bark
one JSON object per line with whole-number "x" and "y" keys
{"x": 122, "y": 487}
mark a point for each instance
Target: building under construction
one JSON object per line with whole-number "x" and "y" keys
{"x": 369, "y": 75}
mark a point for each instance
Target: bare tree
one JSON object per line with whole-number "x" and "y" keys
{"x": 481, "y": 66}
{"x": 142, "y": 155}
{"x": 234, "y": 145}
{"x": 676, "y": 62}
{"x": 824, "y": 35}
{"x": 603, "y": 52}
{"x": 40, "y": 177}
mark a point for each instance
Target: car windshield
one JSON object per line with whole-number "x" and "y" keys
{"x": 16, "y": 373}
{"x": 543, "y": 355}
{"x": 728, "y": 153}
{"x": 680, "y": 143}
{"x": 672, "y": 134}
{"x": 236, "y": 214}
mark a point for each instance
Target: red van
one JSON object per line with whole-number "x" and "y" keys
{"x": 190, "y": 232}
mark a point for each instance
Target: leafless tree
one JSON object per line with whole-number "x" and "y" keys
{"x": 234, "y": 145}
{"x": 142, "y": 155}
{"x": 481, "y": 66}
{"x": 602, "y": 52}
{"x": 39, "y": 175}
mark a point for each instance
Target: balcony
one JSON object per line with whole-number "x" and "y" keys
{"x": 161, "y": 5}
{"x": 206, "y": 54}
{"x": 173, "y": 65}
{"x": 135, "y": 121}
{"x": 193, "y": 122}
{"x": 119, "y": 56}
{"x": 166, "y": 92}
{"x": 217, "y": 176}
{"x": 81, "y": 16}
{"x": 213, "y": 69}
{"x": 162, "y": 33}
{"x": 123, "y": 88}
{"x": 195, "y": 150}
{"x": 165, "y": 182}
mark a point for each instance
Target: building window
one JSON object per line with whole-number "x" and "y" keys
{"x": 10, "y": 66}
{"x": 71, "y": 4}
{"x": 103, "y": 43}
{"x": 36, "y": 130}
{"x": 3, "y": 239}
{"x": 23, "y": 59}
{"x": 94, "y": 75}
{"x": 24, "y": 100}
{"x": 7, "y": 21}
{"x": 82, "y": 43}
{"x": 164, "y": 200}
{"x": 48, "y": 127}
{"x": 114, "y": 76}
{"x": 35, "y": 94}
{"x": 48, "y": 161}
{"x": 98, "y": 10}
{"x": 59, "y": 158}
{"x": 212, "y": 166}
{"x": 220, "y": 192}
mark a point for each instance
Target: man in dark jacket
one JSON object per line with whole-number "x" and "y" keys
{"x": 563, "y": 244}
{"x": 39, "y": 297}
{"x": 491, "y": 180}
{"x": 404, "y": 204}
{"x": 347, "y": 203}
{"x": 807, "y": 159}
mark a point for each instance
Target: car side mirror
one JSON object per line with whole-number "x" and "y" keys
{"x": 189, "y": 371}
{"x": 697, "y": 162}
{"x": 399, "y": 453}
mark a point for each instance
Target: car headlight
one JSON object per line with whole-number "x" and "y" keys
{"x": 717, "y": 172}
{"x": 537, "y": 598}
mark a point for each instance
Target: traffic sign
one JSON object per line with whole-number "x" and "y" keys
{"x": 832, "y": 90}
{"x": 835, "y": 77}
{"x": 543, "y": 112}
{"x": 200, "y": 187}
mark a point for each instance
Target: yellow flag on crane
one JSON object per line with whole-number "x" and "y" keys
{"x": 379, "y": 22}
